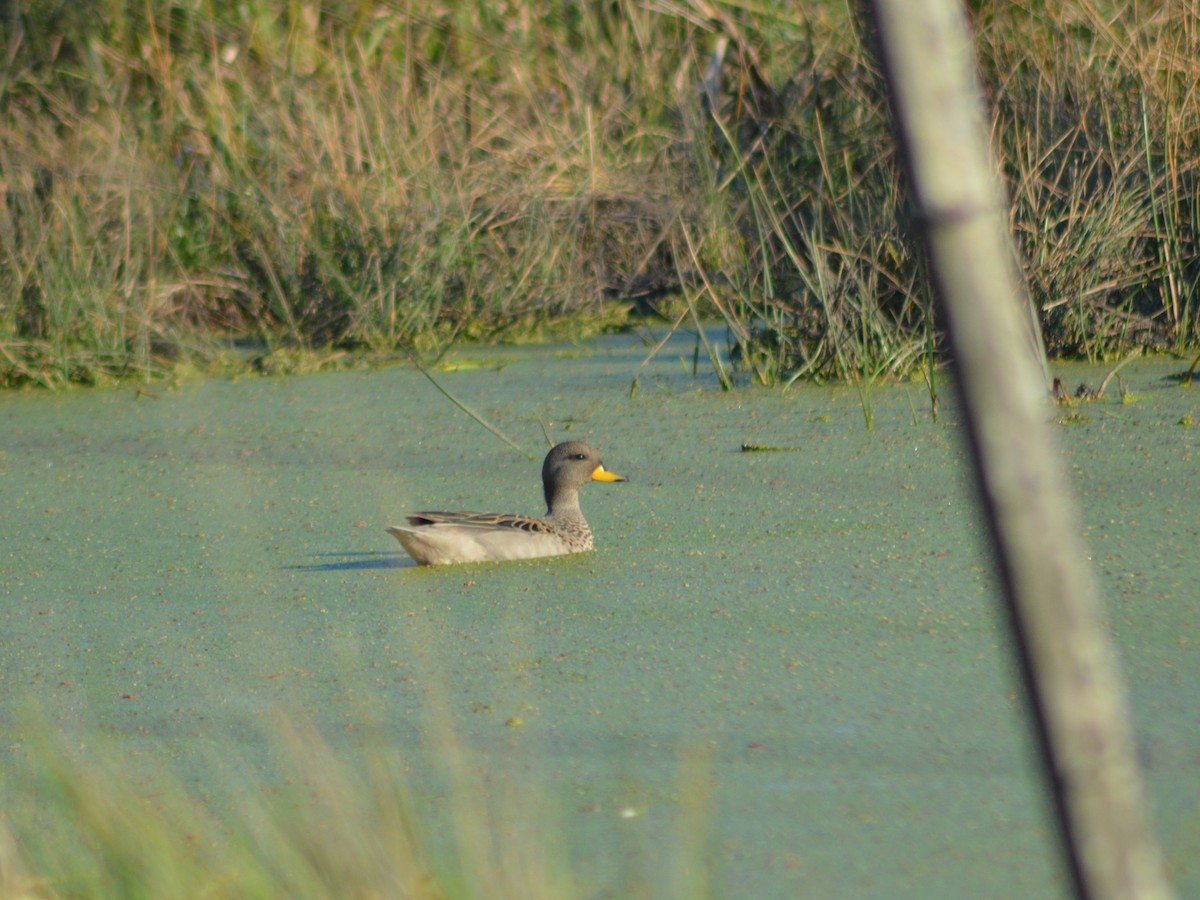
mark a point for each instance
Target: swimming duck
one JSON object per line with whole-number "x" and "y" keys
{"x": 441, "y": 538}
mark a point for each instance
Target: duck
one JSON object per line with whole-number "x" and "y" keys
{"x": 446, "y": 538}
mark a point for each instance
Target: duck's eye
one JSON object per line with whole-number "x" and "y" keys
{"x": 578, "y": 456}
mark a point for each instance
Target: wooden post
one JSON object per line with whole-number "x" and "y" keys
{"x": 1067, "y": 656}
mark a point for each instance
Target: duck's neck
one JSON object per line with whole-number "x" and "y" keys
{"x": 563, "y": 507}
{"x": 565, "y": 516}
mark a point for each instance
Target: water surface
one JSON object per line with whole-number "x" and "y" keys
{"x": 803, "y": 643}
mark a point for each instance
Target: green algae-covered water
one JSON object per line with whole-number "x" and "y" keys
{"x": 783, "y": 672}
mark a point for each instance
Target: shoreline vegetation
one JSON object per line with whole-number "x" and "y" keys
{"x": 220, "y": 185}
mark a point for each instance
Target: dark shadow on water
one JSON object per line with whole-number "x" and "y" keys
{"x": 350, "y": 562}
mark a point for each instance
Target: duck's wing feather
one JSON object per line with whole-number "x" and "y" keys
{"x": 473, "y": 520}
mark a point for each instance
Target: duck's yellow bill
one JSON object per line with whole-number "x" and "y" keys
{"x": 602, "y": 474}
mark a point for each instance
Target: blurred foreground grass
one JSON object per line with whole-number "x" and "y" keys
{"x": 89, "y": 821}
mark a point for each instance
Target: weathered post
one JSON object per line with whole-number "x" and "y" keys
{"x": 1067, "y": 656}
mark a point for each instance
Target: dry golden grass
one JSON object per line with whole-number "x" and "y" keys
{"x": 180, "y": 179}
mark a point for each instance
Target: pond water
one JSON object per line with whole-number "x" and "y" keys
{"x": 782, "y": 673}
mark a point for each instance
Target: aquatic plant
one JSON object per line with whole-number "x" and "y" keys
{"x": 216, "y": 182}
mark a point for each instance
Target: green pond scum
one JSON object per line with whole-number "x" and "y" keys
{"x": 779, "y": 674}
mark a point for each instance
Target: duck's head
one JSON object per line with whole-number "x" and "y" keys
{"x": 569, "y": 466}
